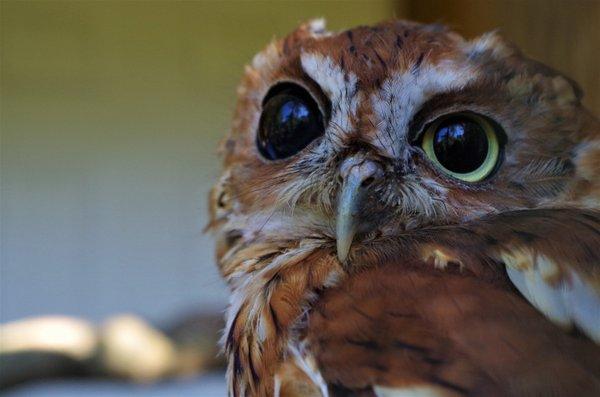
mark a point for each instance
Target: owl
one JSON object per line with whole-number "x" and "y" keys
{"x": 405, "y": 212}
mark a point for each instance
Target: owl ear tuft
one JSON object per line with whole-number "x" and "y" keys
{"x": 563, "y": 89}
{"x": 566, "y": 90}
{"x": 316, "y": 27}
{"x": 491, "y": 44}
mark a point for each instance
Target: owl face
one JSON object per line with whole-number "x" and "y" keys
{"x": 375, "y": 132}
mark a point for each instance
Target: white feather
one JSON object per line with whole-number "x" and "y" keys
{"x": 546, "y": 298}
{"x": 309, "y": 366}
{"x": 573, "y": 301}
{"x": 518, "y": 279}
{"x": 583, "y": 302}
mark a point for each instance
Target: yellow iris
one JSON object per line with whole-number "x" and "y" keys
{"x": 489, "y": 163}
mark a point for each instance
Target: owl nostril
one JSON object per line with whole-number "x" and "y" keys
{"x": 365, "y": 170}
{"x": 367, "y": 181}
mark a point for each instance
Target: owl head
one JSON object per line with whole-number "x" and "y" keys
{"x": 355, "y": 137}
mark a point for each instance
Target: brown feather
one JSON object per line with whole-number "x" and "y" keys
{"x": 406, "y": 324}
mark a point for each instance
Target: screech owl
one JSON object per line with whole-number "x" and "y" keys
{"x": 405, "y": 211}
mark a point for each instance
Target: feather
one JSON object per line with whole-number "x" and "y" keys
{"x": 571, "y": 301}
{"x": 544, "y": 177}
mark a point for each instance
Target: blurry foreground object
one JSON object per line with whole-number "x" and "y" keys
{"x": 124, "y": 347}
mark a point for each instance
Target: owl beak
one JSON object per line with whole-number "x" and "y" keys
{"x": 357, "y": 176}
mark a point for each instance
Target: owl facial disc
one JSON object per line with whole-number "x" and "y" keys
{"x": 357, "y": 175}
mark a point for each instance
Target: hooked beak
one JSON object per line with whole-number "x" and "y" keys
{"x": 357, "y": 174}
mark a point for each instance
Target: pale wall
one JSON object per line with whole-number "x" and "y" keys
{"x": 110, "y": 116}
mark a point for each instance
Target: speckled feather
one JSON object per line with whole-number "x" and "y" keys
{"x": 531, "y": 231}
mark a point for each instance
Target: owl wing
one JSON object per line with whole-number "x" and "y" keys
{"x": 552, "y": 256}
{"x": 393, "y": 332}
{"x": 448, "y": 321}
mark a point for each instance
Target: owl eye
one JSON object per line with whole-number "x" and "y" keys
{"x": 290, "y": 120}
{"x": 463, "y": 145}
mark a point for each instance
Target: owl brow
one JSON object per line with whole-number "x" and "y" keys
{"x": 434, "y": 106}
{"x": 315, "y": 91}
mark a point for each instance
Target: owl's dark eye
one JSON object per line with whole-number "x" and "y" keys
{"x": 463, "y": 145}
{"x": 290, "y": 120}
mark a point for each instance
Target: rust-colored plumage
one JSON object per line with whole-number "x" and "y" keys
{"x": 359, "y": 267}
{"x": 406, "y": 324}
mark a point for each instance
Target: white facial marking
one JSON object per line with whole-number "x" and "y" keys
{"x": 340, "y": 88}
{"x": 403, "y": 94}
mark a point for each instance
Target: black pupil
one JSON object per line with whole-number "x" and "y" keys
{"x": 289, "y": 122}
{"x": 460, "y": 145}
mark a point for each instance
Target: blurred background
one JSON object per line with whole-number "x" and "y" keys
{"x": 110, "y": 115}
